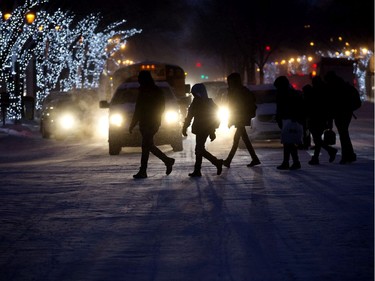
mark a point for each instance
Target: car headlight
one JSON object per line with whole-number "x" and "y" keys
{"x": 116, "y": 119}
{"x": 102, "y": 126}
{"x": 67, "y": 121}
{"x": 171, "y": 116}
{"x": 223, "y": 115}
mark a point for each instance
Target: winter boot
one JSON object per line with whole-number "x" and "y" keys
{"x": 295, "y": 166}
{"x": 169, "y": 165}
{"x": 141, "y": 174}
{"x": 283, "y": 166}
{"x": 219, "y": 166}
{"x": 332, "y": 155}
{"x": 254, "y": 162}
{"x": 314, "y": 161}
{"x": 196, "y": 173}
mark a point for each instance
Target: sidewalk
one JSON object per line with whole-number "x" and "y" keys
{"x": 26, "y": 128}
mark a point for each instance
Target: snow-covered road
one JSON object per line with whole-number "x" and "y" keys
{"x": 69, "y": 211}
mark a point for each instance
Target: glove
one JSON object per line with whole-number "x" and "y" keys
{"x": 184, "y": 133}
{"x": 212, "y": 136}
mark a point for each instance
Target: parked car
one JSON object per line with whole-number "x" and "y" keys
{"x": 264, "y": 125}
{"x": 121, "y": 109}
{"x": 71, "y": 113}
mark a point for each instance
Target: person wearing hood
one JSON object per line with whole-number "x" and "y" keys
{"x": 204, "y": 112}
{"x": 149, "y": 109}
{"x": 240, "y": 99}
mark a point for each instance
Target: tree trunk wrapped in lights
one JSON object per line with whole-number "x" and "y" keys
{"x": 66, "y": 56}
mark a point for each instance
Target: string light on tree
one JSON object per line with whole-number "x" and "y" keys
{"x": 14, "y": 35}
{"x": 67, "y": 56}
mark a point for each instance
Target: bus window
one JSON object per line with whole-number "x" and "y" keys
{"x": 172, "y": 74}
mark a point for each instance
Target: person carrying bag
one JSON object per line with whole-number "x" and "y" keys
{"x": 289, "y": 117}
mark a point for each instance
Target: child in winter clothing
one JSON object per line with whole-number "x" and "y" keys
{"x": 204, "y": 111}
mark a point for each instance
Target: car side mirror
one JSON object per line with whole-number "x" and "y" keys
{"x": 103, "y": 104}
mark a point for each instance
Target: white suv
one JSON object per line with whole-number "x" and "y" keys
{"x": 121, "y": 109}
{"x": 264, "y": 125}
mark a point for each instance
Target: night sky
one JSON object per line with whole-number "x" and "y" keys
{"x": 166, "y": 23}
{"x": 173, "y": 18}
{"x": 357, "y": 13}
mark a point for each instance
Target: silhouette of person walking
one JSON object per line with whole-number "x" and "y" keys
{"x": 289, "y": 108}
{"x": 204, "y": 112}
{"x": 148, "y": 112}
{"x": 319, "y": 117}
{"x": 239, "y": 99}
{"x": 342, "y": 114}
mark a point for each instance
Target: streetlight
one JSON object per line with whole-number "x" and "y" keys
{"x": 7, "y": 15}
{"x": 28, "y": 98}
{"x": 16, "y": 82}
{"x": 30, "y": 17}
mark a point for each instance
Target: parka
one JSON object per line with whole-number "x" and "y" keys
{"x": 203, "y": 110}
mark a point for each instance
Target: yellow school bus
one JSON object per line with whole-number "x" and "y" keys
{"x": 170, "y": 73}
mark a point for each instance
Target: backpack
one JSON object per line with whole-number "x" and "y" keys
{"x": 214, "y": 116}
{"x": 209, "y": 117}
{"x": 354, "y": 99}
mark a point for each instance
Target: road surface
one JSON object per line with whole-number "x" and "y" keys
{"x": 69, "y": 211}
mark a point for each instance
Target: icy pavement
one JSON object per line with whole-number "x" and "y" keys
{"x": 69, "y": 211}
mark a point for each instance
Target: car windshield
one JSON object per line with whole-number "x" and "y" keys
{"x": 60, "y": 101}
{"x": 129, "y": 95}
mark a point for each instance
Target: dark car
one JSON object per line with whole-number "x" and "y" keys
{"x": 121, "y": 109}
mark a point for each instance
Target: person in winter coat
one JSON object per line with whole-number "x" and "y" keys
{"x": 342, "y": 114}
{"x": 148, "y": 112}
{"x": 290, "y": 118}
{"x": 204, "y": 112}
{"x": 240, "y": 100}
{"x": 319, "y": 117}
